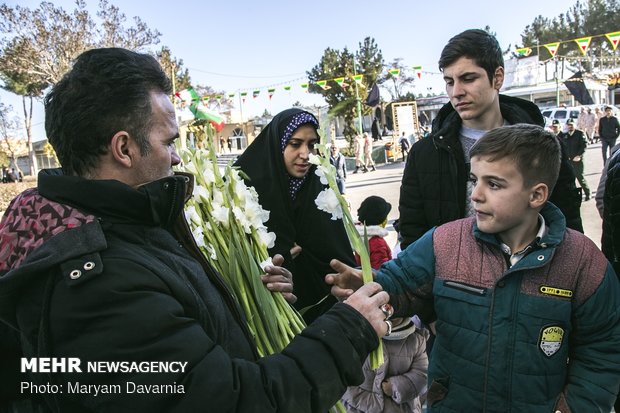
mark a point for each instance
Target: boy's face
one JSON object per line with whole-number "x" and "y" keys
{"x": 471, "y": 93}
{"x": 502, "y": 204}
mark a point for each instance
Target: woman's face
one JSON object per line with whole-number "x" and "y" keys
{"x": 298, "y": 149}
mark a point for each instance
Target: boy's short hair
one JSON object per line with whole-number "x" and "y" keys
{"x": 477, "y": 45}
{"x": 535, "y": 152}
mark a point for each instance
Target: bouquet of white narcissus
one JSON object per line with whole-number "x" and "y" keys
{"x": 228, "y": 225}
{"x": 332, "y": 202}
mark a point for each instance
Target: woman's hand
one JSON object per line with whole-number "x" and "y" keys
{"x": 279, "y": 279}
{"x": 295, "y": 251}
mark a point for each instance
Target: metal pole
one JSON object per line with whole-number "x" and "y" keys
{"x": 359, "y": 103}
{"x": 557, "y": 84}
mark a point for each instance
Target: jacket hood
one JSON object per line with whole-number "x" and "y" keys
{"x": 514, "y": 110}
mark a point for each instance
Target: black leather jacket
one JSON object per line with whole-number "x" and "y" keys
{"x": 105, "y": 272}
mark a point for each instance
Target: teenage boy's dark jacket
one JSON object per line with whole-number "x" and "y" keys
{"x": 105, "y": 272}
{"x": 611, "y": 213}
{"x": 434, "y": 183}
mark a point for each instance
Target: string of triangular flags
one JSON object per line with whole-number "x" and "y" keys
{"x": 582, "y": 42}
{"x": 272, "y": 89}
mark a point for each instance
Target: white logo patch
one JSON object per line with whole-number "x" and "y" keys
{"x": 551, "y": 340}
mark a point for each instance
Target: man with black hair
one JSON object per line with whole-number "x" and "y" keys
{"x": 435, "y": 186}
{"x": 98, "y": 264}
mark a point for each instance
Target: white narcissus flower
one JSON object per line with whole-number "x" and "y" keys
{"x": 201, "y": 194}
{"x": 314, "y": 160}
{"x": 267, "y": 238}
{"x": 211, "y": 250}
{"x": 208, "y": 174}
{"x": 266, "y": 263}
{"x": 191, "y": 168}
{"x": 320, "y": 172}
{"x": 192, "y": 216}
{"x": 243, "y": 220}
{"x": 218, "y": 196}
{"x": 328, "y": 201}
{"x": 242, "y": 192}
{"x": 220, "y": 214}
{"x": 199, "y": 236}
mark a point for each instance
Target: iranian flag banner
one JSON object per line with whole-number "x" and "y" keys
{"x": 196, "y": 106}
{"x": 553, "y": 48}
{"x": 524, "y": 51}
{"x": 613, "y": 38}
{"x": 583, "y": 43}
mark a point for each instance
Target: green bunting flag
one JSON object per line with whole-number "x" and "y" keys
{"x": 524, "y": 51}
{"x": 255, "y": 94}
{"x": 231, "y": 95}
{"x": 271, "y": 91}
{"x": 613, "y": 38}
{"x": 418, "y": 71}
{"x": 340, "y": 81}
{"x": 358, "y": 79}
{"x": 323, "y": 84}
{"x": 304, "y": 86}
{"x": 583, "y": 43}
{"x": 394, "y": 72}
{"x": 287, "y": 87}
{"x": 553, "y": 48}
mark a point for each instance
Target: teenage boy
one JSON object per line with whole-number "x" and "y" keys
{"x": 526, "y": 310}
{"x": 435, "y": 187}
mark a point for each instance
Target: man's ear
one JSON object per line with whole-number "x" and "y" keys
{"x": 539, "y": 195}
{"x": 122, "y": 149}
{"x": 498, "y": 78}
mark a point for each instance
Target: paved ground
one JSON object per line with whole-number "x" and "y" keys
{"x": 385, "y": 182}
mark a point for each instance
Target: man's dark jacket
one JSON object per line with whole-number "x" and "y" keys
{"x": 610, "y": 244}
{"x": 105, "y": 272}
{"x": 433, "y": 189}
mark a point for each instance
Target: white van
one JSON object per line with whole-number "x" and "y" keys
{"x": 562, "y": 114}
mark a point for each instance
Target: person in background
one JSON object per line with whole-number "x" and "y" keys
{"x": 358, "y": 149}
{"x": 340, "y": 163}
{"x": 373, "y": 215}
{"x": 368, "y": 162}
{"x": 598, "y": 114}
{"x": 277, "y": 166}
{"x": 526, "y": 309}
{"x": 589, "y": 124}
{"x": 608, "y": 129}
{"x": 575, "y": 143}
{"x": 399, "y": 384}
{"x": 435, "y": 185}
{"x": 98, "y": 263}
{"x": 404, "y": 145}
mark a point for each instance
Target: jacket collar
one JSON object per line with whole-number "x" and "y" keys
{"x": 514, "y": 110}
{"x": 156, "y": 203}
{"x": 554, "y": 219}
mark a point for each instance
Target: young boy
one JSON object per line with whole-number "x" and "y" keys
{"x": 373, "y": 213}
{"x": 526, "y": 310}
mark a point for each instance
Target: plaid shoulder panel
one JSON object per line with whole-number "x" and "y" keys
{"x": 29, "y": 221}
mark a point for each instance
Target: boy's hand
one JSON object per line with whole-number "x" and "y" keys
{"x": 345, "y": 282}
{"x": 279, "y": 279}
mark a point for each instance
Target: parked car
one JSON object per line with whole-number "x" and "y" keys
{"x": 561, "y": 113}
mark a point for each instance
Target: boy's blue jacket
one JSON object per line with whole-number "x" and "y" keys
{"x": 541, "y": 336}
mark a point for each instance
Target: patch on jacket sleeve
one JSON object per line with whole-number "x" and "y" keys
{"x": 560, "y": 292}
{"x": 551, "y": 340}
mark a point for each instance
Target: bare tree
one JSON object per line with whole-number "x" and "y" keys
{"x": 38, "y": 46}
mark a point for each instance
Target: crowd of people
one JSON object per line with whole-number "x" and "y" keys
{"x": 496, "y": 302}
